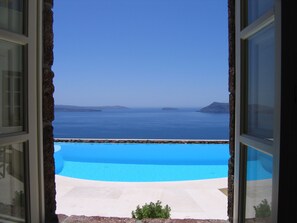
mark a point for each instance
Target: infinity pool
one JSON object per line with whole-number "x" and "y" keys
{"x": 141, "y": 162}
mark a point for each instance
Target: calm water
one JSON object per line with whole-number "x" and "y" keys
{"x": 141, "y": 162}
{"x": 152, "y": 162}
{"x": 142, "y": 124}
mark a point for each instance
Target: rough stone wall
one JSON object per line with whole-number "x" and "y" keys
{"x": 48, "y": 114}
{"x": 231, "y": 36}
{"x": 156, "y": 141}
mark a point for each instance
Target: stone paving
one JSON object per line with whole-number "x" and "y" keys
{"x": 200, "y": 199}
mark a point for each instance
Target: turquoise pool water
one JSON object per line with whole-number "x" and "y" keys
{"x": 141, "y": 162}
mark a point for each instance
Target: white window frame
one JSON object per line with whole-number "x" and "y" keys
{"x": 272, "y": 147}
{"x": 32, "y": 135}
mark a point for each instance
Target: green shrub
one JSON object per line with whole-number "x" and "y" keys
{"x": 151, "y": 210}
{"x": 263, "y": 209}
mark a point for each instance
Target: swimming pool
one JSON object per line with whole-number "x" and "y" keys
{"x": 141, "y": 162}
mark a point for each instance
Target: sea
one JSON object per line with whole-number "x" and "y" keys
{"x": 141, "y": 123}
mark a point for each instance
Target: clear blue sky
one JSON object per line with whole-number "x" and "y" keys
{"x": 141, "y": 53}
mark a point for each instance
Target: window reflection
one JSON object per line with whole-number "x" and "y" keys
{"x": 11, "y": 88}
{"x": 12, "y": 196}
{"x": 260, "y": 83}
{"x": 11, "y": 15}
{"x": 257, "y": 8}
{"x": 258, "y": 186}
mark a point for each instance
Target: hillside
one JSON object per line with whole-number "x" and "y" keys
{"x": 216, "y": 107}
{"x": 73, "y": 108}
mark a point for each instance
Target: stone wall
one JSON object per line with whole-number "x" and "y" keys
{"x": 48, "y": 113}
{"x": 231, "y": 26}
{"x": 152, "y": 141}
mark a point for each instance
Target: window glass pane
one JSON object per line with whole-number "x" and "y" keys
{"x": 257, "y": 8}
{"x": 11, "y": 87}
{"x": 260, "y": 83}
{"x": 12, "y": 176}
{"x": 12, "y": 15}
{"x": 258, "y": 186}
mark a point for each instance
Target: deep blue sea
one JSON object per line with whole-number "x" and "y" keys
{"x": 142, "y": 123}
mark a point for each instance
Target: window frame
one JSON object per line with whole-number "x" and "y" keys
{"x": 243, "y": 31}
{"x": 31, "y": 136}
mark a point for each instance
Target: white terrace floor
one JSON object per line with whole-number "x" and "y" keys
{"x": 199, "y": 199}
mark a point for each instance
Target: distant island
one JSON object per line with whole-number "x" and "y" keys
{"x": 112, "y": 107}
{"x": 216, "y": 107}
{"x": 169, "y": 109}
{"x": 74, "y": 108}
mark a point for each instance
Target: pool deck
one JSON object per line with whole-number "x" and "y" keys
{"x": 200, "y": 199}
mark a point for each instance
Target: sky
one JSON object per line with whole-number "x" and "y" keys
{"x": 140, "y": 53}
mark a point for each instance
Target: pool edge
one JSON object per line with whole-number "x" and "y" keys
{"x": 156, "y": 141}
